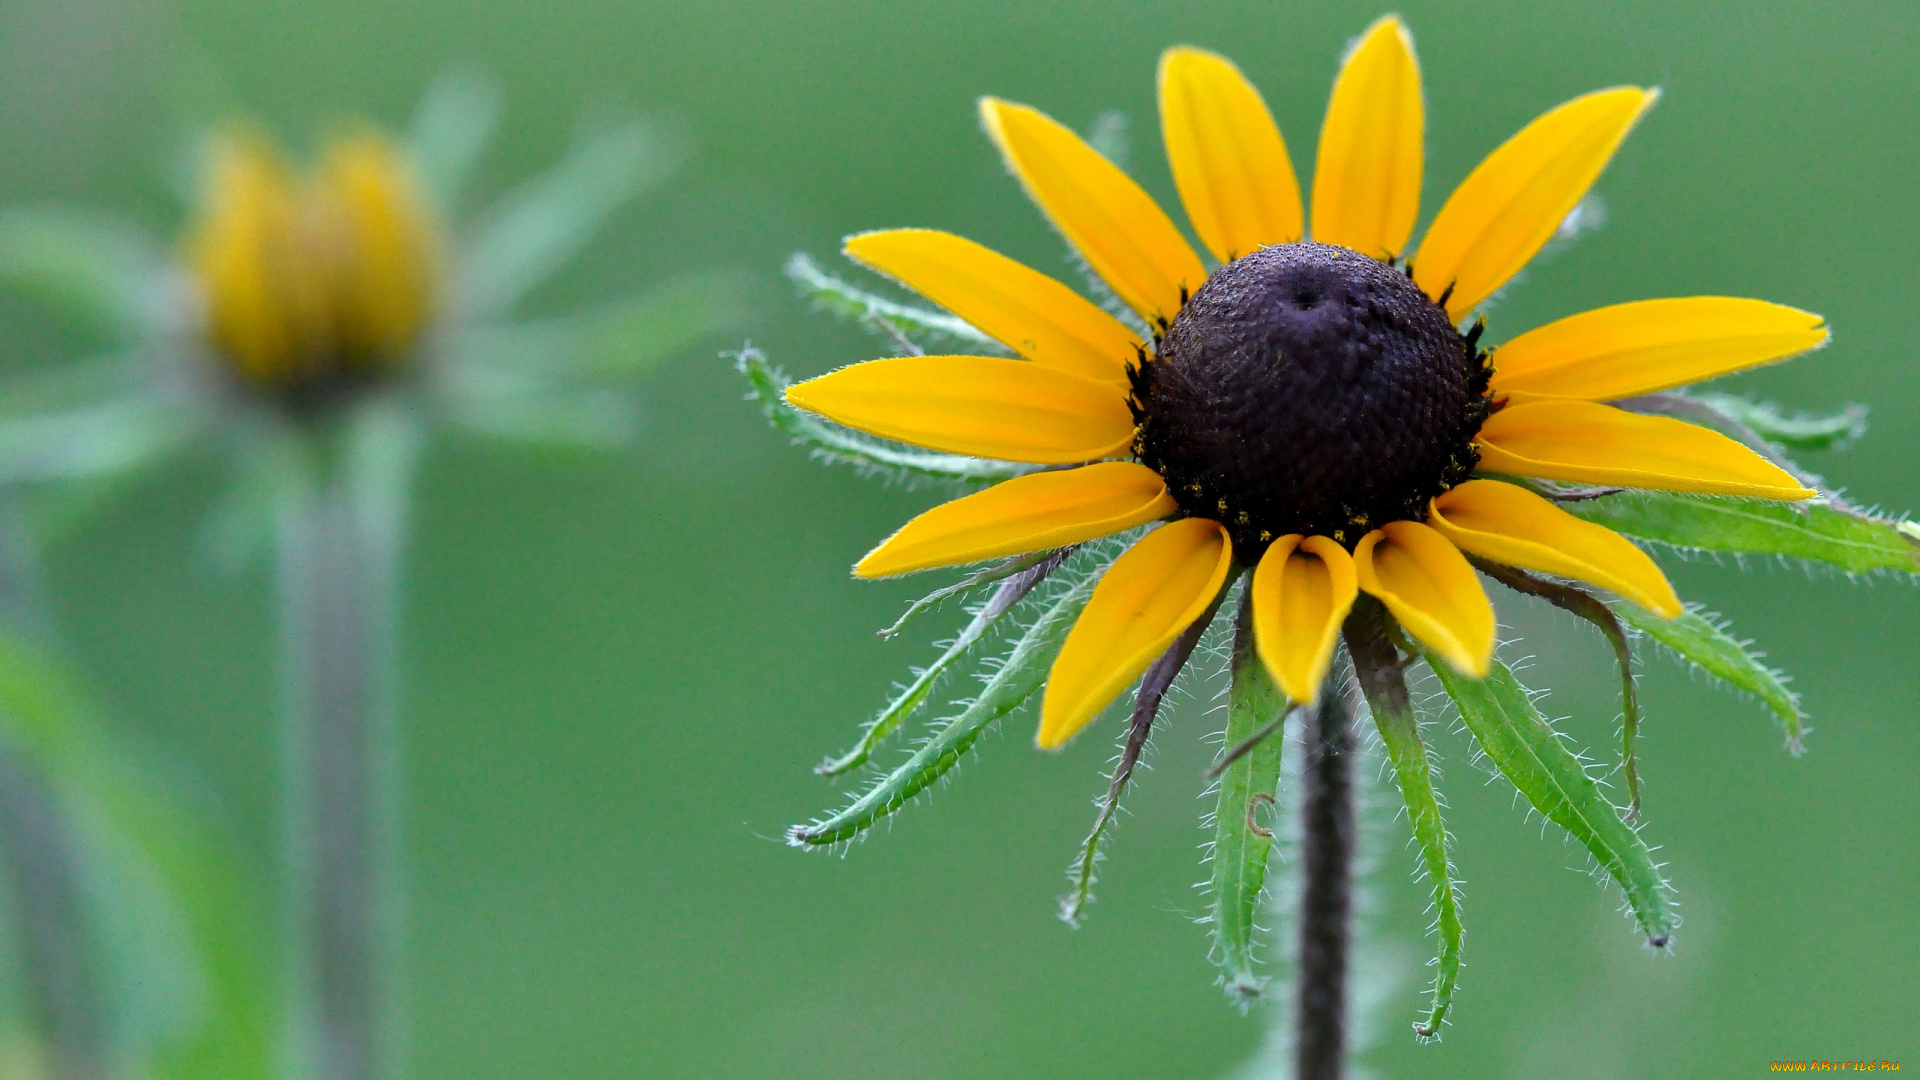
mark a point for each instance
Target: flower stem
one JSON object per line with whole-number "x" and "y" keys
{"x": 1327, "y": 843}
{"x": 340, "y": 781}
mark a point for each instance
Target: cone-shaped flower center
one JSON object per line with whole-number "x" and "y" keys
{"x": 1306, "y": 388}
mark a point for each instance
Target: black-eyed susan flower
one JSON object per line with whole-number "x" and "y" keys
{"x": 1301, "y": 414}
{"x": 322, "y": 319}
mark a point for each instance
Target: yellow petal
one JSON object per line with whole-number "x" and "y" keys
{"x": 1149, "y": 596}
{"x": 385, "y": 257}
{"x": 1029, "y": 312}
{"x": 987, "y": 406}
{"x": 1029, "y": 513}
{"x": 1588, "y": 443}
{"x": 1638, "y": 348}
{"x": 1302, "y": 591}
{"x": 1512, "y": 525}
{"x": 1431, "y": 590}
{"x": 1512, "y": 203}
{"x": 1366, "y": 179}
{"x": 1228, "y": 159}
{"x": 1117, "y": 228}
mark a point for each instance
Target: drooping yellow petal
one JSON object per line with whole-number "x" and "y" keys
{"x": 1638, "y": 348}
{"x": 1431, "y": 589}
{"x": 1589, "y": 443}
{"x": 1511, "y": 204}
{"x": 1149, "y": 596}
{"x": 1029, "y": 312}
{"x": 1366, "y": 179}
{"x": 1228, "y": 159}
{"x": 1512, "y": 525}
{"x": 384, "y": 256}
{"x": 987, "y": 406}
{"x": 1117, "y": 228}
{"x": 1028, "y": 513}
{"x": 1302, "y": 591}
{"x": 251, "y": 253}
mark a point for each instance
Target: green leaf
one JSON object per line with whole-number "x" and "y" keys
{"x": 1018, "y": 678}
{"x": 1699, "y": 638}
{"x": 538, "y": 228}
{"x": 1801, "y": 431}
{"x": 1528, "y": 752}
{"x": 1240, "y": 845}
{"x": 909, "y": 700}
{"x": 451, "y": 128}
{"x": 1383, "y": 679}
{"x": 1816, "y": 530}
{"x": 97, "y": 274}
{"x": 184, "y": 931}
{"x": 837, "y": 445}
{"x": 905, "y": 322}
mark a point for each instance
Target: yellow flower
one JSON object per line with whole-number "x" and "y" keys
{"x": 307, "y": 284}
{"x": 1311, "y": 409}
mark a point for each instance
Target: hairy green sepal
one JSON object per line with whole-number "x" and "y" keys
{"x": 1801, "y": 431}
{"x": 1019, "y": 677}
{"x": 1240, "y": 844}
{"x": 1817, "y": 531}
{"x": 1527, "y": 751}
{"x": 901, "y": 321}
{"x": 1699, "y": 638}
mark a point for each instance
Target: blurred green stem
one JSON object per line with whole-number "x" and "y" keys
{"x": 341, "y": 764}
{"x": 41, "y": 861}
{"x": 1326, "y": 889}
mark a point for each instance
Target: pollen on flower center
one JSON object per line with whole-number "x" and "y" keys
{"x": 1307, "y": 388}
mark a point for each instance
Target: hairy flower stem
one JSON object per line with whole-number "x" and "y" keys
{"x": 340, "y": 765}
{"x": 54, "y": 960}
{"x": 1327, "y": 841}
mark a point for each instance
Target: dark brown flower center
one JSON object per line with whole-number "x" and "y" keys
{"x": 1307, "y": 388}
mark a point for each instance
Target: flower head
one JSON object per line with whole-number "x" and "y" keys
{"x": 1303, "y": 414}
{"x": 312, "y": 284}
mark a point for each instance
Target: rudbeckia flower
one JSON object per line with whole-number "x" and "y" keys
{"x": 1301, "y": 413}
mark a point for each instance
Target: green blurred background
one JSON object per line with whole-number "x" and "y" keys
{"x": 620, "y": 668}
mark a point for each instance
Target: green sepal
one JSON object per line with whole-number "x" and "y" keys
{"x": 836, "y": 445}
{"x": 985, "y": 576}
{"x": 97, "y": 440}
{"x": 908, "y": 701}
{"x": 1528, "y": 752}
{"x": 539, "y": 227}
{"x": 1817, "y": 531}
{"x": 1802, "y": 431}
{"x": 1240, "y": 847}
{"x": 1700, "y": 639}
{"x": 451, "y": 128}
{"x": 1018, "y": 678}
{"x": 97, "y": 274}
{"x": 907, "y": 322}
{"x": 1382, "y": 678}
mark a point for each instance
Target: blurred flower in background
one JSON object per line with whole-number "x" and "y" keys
{"x": 316, "y": 323}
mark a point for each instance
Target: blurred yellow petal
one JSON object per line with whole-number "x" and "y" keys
{"x": 1228, "y": 159}
{"x": 1509, "y": 524}
{"x": 1588, "y": 443}
{"x": 385, "y": 274}
{"x": 1638, "y": 348}
{"x": 1302, "y": 591}
{"x": 1117, "y": 228}
{"x": 1366, "y": 179}
{"x": 987, "y": 406}
{"x": 1029, "y": 312}
{"x": 251, "y": 254}
{"x": 1431, "y": 590}
{"x": 1149, "y": 596}
{"x": 1514, "y": 201}
{"x": 1029, "y": 513}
